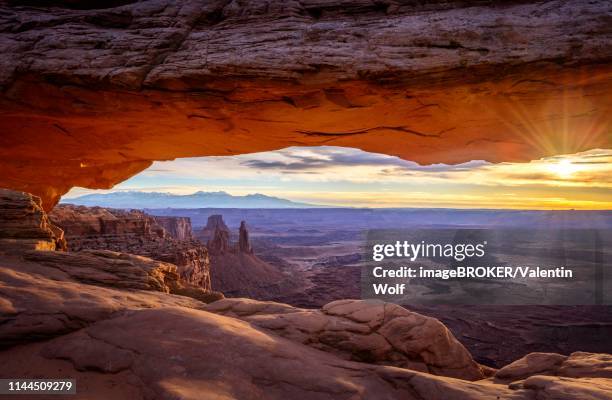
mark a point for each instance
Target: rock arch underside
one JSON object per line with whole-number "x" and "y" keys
{"x": 93, "y": 92}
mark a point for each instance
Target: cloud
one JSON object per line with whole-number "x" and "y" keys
{"x": 324, "y": 158}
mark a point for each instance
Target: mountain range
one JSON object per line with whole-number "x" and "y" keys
{"x": 135, "y": 199}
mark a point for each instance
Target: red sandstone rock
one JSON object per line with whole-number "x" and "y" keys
{"x": 213, "y": 223}
{"x": 110, "y": 89}
{"x": 40, "y": 301}
{"x": 109, "y": 268}
{"x": 135, "y": 232}
{"x": 178, "y": 227}
{"x": 235, "y": 270}
{"x": 219, "y": 243}
{"x": 24, "y": 224}
{"x": 576, "y": 365}
{"x": 368, "y": 331}
{"x": 244, "y": 245}
{"x": 192, "y": 353}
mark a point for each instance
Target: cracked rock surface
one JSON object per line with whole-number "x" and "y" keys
{"x": 111, "y": 87}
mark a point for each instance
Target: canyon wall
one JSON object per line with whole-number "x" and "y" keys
{"x": 178, "y": 227}
{"x": 138, "y": 233}
{"x": 110, "y": 87}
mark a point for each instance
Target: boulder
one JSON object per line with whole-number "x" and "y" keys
{"x": 367, "y": 331}
{"x": 531, "y": 364}
{"x": 587, "y": 365}
{"x": 557, "y": 388}
{"x": 577, "y": 365}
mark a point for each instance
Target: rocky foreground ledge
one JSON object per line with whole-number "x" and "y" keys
{"x": 113, "y": 323}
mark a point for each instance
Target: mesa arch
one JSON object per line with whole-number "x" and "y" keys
{"x": 91, "y": 95}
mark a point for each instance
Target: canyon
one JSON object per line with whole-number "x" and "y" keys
{"x": 132, "y": 304}
{"x": 98, "y": 316}
{"x": 113, "y": 87}
{"x": 323, "y": 251}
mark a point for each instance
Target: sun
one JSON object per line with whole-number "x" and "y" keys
{"x": 564, "y": 168}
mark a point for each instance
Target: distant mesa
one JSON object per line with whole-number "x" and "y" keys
{"x": 141, "y": 200}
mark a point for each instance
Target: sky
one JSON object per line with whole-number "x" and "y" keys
{"x": 339, "y": 176}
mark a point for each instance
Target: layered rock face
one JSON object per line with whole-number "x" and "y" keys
{"x": 110, "y": 268}
{"x": 138, "y": 233}
{"x": 219, "y": 244}
{"x": 111, "y": 87}
{"x": 178, "y": 227}
{"x": 24, "y": 224}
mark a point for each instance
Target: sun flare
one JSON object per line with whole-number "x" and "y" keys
{"x": 564, "y": 168}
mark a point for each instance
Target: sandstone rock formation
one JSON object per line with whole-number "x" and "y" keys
{"x": 236, "y": 271}
{"x": 24, "y": 224}
{"x": 110, "y": 87}
{"x": 576, "y": 365}
{"x": 244, "y": 244}
{"x": 178, "y": 227}
{"x": 95, "y": 334}
{"x": 109, "y": 268}
{"x": 367, "y": 331}
{"x": 212, "y": 356}
{"x": 219, "y": 244}
{"x": 38, "y": 302}
{"x": 135, "y": 232}
{"x": 122, "y": 342}
{"x": 213, "y": 223}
